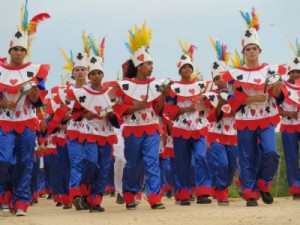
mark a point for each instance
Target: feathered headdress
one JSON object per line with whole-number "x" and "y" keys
{"x": 250, "y": 19}
{"x": 68, "y": 59}
{"x": 294, "y": 64}
{"x": 139, "y": 42}
{"x": 196, "y": 75}
{"x": 222, "y": 55}
{"x": 30, "y": 28}
{"x": 188, "y": 54}
{"x": 87, "y": 46}
{"x": 98, "y": 50}
{"x": 237, "y": 61}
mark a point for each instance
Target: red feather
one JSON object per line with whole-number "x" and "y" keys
{"x": 32, "y": 27}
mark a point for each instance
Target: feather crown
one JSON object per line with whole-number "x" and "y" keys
{"x": 221, "y": 50}
{"x": 251, "y": 20}
{"x": 187, "y": 49}
{"x": 237, "y": 61}
{"x": 296, "y": 50}
{"x": 98, "y": 50}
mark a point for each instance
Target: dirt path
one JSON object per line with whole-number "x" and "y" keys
{"x": 283, "y": 211}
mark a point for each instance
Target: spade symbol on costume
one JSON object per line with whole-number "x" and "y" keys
{"x": 133, "y": 117}
{"x": 18, "y": 34}
{"x": 82, "y": 99}
{"x": 296, "y": 61}
{"x": 125, "y": 87}
{"x": 200, "y": 120}
{"x": 248, "y": 33}
{"x": 157, "y": 87}
{"x": 29, "y": 74}
{"x": 268, "y": 109}
{"x": 201, "y": 85}
{"x": 93, "y": 60}
{"x": 113, "y": 100}
{"x": 240, "y": 77}
{"x": 184, "y": 121}
{"x": 183, "y": 57}
{"x": 211, "y": 98}
{"x": 177, "y": 90}
{"x": 289, "y": 93}
{"x": 289, "y": 118}
{"x": 8, "y": 113}
{"x": 79, "y": 56}
{"x": 219, "y": 126}
{"x": 243, "y": 111}
{"x": 216, "y": 65}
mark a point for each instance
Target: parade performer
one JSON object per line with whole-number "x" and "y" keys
{"x": 21, "y": 86}
{"x": 254, "y": 103}
{"x": 140, "y": 107}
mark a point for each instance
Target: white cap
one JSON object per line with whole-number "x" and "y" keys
{"x": 140, "y": 56}
{"x": 184, "y": 59}
{"x": 80, "y": 60}
{"x": 250, "y": 36}
{"x": 95, "y": 63}
{"x": 19, "y": 39}
{"x": 294, "y": 64}
{"x": 217, "y": 67}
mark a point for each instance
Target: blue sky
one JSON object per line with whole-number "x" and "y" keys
{"x": 169, "y": 19}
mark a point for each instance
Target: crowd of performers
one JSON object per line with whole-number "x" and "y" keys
{"x": 184, "y": 138}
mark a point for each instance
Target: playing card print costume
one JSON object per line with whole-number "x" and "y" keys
{"x": 290, "y": 125}
{"x": 221, "y": 131}
{"x": 141, "y": 128}
{"x": 18, "y": 127}
{"x": 189, "y": 133}
{"x": 255, "y": 122}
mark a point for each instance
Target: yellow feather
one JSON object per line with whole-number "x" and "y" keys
{"x": 22, "y": 18}
{"x": 292, "y": 47}
{"x": 69, "y": 65}
{"x": 212, "y": 41}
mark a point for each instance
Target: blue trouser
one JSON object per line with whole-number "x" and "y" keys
{"x": 35, "y": 175}
{"x": 96, "y": 165}
{"x": 16, "y": 163}
{"x": 141, "y": 154}
{"x": 166, "y": 172}
{"x": 222, "y": 163}
{"x": 52, "y": 173}
{"x": 290, "y": 143}
{"x": 183, "y": 150}
{"x": 63, "y": 168}
{"x": 76, "y": 155}
{"x": 110, "y": 179}
{"x": 257, "y": 161}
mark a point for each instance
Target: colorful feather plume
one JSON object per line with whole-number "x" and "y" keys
{"x": 86, "y": 43}
{"x": 237, "y": 61}
{"x": 295, "y": 50}
{"x": 251, "y": 20}
{"x": 98, "y": 50}
{"x": 187, "y": 48}
{"x": 69, "y": 60}
{"x": 221, "y": 50}
{"x": 139, "y": 38}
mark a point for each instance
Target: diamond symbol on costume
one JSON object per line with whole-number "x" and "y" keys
{"x": 125, "y": 87}
{"x": 240, "y": 77}
{"x": 248, "y": 33}
{"x": 216, "y": 65}
{"x": 93, "y": 60}
{"x": 183, "y": 57}
{"x": 177, "y": 90}
{"x": 29, "y": 74}
{"x": 79, "y": 56}
{"x": 82, "y": 99}
{"x": 296, "y": 61}
{"x": 18, "y": 34}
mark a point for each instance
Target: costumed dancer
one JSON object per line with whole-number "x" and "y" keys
{"x": 21, "y": 86}
{"x": 256, "y": 114}
{"x": 290, "y": 122}
{"x": 141, "y": 130}
{"x": 221, "y": 131}
{"x": 189, "y": 132}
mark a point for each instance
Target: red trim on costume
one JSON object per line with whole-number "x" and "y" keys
{"x": 94, "y": 201}
{"x": 66, "y": 199}
{"x": 95, "y": 92}
{"x": 248, "y": 193}
{"x": 85, "y": 190}
{"x": 8, "y": 67}
{"x": 186, "y": 134}
{"x": 203, "y": 190}
{"x": 61, "y": 141}
{"x": 295, "y": 189}
{"x": 289, "y": 128}
{"x": 184, "y": 194}
{"x": 262, "y": 186}
{"x": 6, "y": 199}
{"x": 72, "y": 134}
{"x": 128, "y": 197}
{"x": 75, "y": 191}
{"x": 221, "y": 195}
{"x": 254, "y": 124}
{"x": 154, "y": 198}
{"x": 56, "y": 198}
{"x": 101, "y": 140}
{"x": 238, "y": 100}
{"x": 140, "y": 82}
{"x": 222, "y": 138}
{"x": 19, "y": 204}
{"x": 19, "y": 126}
{"x": 170, "y": 152}
{"x": 139, "y": 130}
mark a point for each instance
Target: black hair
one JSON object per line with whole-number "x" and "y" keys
{"x": 131, "y": 70}
{"x": 17, "y": 46}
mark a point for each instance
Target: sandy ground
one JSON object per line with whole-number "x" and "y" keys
{"x": 283, "y": 211}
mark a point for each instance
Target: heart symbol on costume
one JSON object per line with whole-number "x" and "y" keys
{"x": 189, "y": 122}
{"x": 179, "y": 64}
{"x": 226, "y": 108}
{"x": 192, "y": 91}
{"x": 29, "y": 74}
{"x": 13, "y": 81}
{"x": 252, "y": 111}
{"x": 143, "y": 97}
{"x": 261, "y": 111}
{"x": 274, "y": 105}
{"x": 226, "y": 127}
{"x": 144, "y": 116}
{"x": 257, "y": 81}
{"x": 140, "y": 58}
{"x": 18, "y": 113}
{"x": 103, "y": 129}
{"x": 98, "y": 108}
{"x": 25, "y": 111}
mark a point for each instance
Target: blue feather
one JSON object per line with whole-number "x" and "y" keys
{"x": 71, "y": 55}
{"x": 128, "y": 47}
{"x": 25, "y": 17}
{"x": 246, "y": 17}
{"x": 297, "y": 47}
{"x": 219, "y": 50}
{"x": 94, "y": 47}
{"x": 132, "y": 35}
